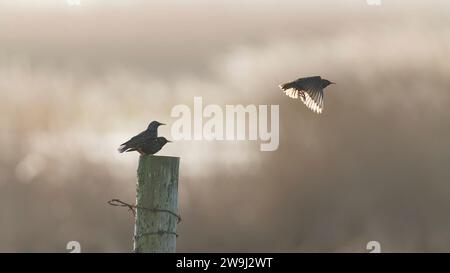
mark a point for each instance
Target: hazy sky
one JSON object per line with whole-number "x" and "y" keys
{"x": 78, "y": 81}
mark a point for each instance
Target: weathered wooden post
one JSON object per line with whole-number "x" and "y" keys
{"x": 156, "y": 204}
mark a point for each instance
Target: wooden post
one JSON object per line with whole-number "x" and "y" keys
{"x": 157, "y": 204}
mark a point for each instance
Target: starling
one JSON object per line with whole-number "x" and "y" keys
{"x": 310, "y": 91}
{"x": 153, "y": 146}
{"x": 141, "y": 139}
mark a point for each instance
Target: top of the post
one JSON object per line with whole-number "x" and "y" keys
{"x": 159, "y": 160}
{"x": 158, "y": 157}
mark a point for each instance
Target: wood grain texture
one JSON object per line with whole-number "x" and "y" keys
{"x": 157, "y": 188}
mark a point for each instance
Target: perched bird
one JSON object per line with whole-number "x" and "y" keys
{"x": 152, "y": 128}
{"x": 141, "y": 139}
{"x": 309, "y": 90}
{"x": 153, "y": 146}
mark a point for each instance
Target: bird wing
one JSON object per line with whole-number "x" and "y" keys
{"x": 308, "y": 90}
{"x": 136, "y": 142}
{"x": 313, "y": 99}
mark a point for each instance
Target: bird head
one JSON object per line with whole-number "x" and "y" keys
{"x": 154, "y": 125}
{"x": 325, "y": 83}
{"x": 162, "y": 140}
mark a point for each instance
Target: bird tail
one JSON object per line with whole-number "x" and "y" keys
{"x": 286, "y": 86}
{"x": 122, "y": 148}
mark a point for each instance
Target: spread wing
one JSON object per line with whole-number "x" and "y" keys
{"x": 313, "y": 99}
{"x": 308, "y": 90}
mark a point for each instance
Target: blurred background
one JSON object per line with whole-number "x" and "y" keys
{"x": 78, "y": 80}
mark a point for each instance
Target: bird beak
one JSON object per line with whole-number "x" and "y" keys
{"x": 169, "y": 141}
{"x": 333, "y": 83}
{"x": 162, "y": 124}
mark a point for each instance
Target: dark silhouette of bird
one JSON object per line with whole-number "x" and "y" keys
{"x": 309, "y": 90}
{"x": 138, "y": 141}
{"x": 153, "y": 146}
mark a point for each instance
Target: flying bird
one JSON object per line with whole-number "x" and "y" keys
{"x": 309, "y": 90}
{"x": 142, "y": 139}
